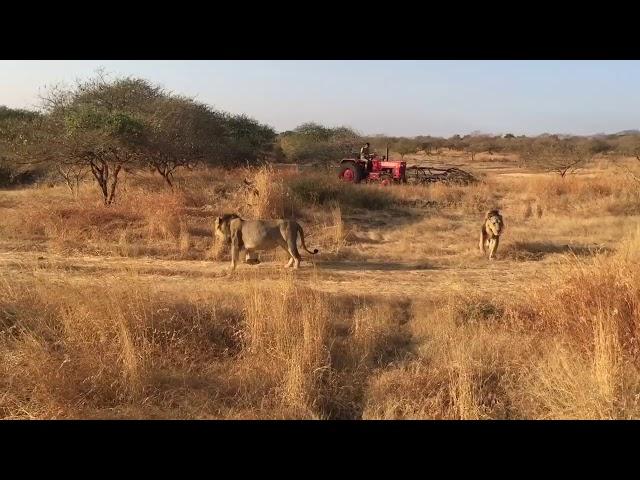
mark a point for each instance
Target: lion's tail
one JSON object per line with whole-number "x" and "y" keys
{"x": 315, "y": 250}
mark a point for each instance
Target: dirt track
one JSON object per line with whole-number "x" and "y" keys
{"x": 374, "y": 277}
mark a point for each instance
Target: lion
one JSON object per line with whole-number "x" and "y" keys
{"x": 490, "y": 232}
{"x": 252, "y": 235}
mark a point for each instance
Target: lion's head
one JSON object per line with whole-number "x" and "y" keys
{"x": 221, "y": 228}
{"x": 494, "y": 223}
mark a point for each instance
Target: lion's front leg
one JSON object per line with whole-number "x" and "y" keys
{"x": 483, "y": 239}
{"x": 235, "y": 253}
{"x": 494, "y": 247}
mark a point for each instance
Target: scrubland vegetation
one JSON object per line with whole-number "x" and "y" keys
{"x": 123, "y": 306}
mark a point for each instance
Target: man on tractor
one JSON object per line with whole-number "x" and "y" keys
{"x": 364, "y": 152}
{"x": 364, "y": 155}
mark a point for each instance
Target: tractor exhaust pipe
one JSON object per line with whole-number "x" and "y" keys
{"x": 387, "y": 152}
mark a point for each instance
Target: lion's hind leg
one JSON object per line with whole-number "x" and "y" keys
{"x": 284, "y": 245}
{"x": 292, "y": 247}
{"x": 295, "y": 255}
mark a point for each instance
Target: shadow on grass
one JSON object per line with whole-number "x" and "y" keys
{"x": 539, "y": 250}
{"x": 370, "y": 266}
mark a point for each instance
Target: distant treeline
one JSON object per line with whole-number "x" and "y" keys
{"x": 311, "y": 141}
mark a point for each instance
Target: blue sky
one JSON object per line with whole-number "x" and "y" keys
{"x": 392, "y": 97}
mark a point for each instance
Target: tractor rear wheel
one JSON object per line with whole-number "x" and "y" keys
{"x": 350, "y": 173}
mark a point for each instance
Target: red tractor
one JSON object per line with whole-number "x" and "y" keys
{"x": 372, "y": 169}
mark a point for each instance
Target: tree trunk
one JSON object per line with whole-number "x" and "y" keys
{"x": 67, "y": 179}
{"x": 165, "y": 172}
{"x": 114, "y": 183}
{"x": 70, "y": 185}
{"x": 102, "y": 175}
{"x": 168, "y": 180}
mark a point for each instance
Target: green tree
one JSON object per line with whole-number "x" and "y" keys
{"x": 184, "y": 133}
{"x": 246, "y": 140}
{"x": 596, "y": 146}
{"x": 98, "y": 124}
{"x": 313, "y": 142}
{"x": 628, "y": 145}
{"x": 405, "y": 146}
{"x": 12, "y": 123}
{"x": 554, "y": 155}
{"x": 430, "y": 145}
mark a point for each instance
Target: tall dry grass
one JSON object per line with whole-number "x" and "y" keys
{"x": 286, "y": 327}
{"x": 115, "y": 348}
{"x": 608, "y": 192}
{"x": 587, "y": 370}
{"x": 139, "y": 223}
{"x": 470, "y": 199}
{"x": 279, "y": 350}
{"x": 321, "y": 190}
{"x": 565, "y": 351}
{"x": 268, "y": 196}
{"x": 271, "y": 347}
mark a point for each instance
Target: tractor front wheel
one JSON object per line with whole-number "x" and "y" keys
{"x": 350, "y": 173}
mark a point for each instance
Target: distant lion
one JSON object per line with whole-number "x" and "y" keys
{"x": 490, "y": 232}
{"x": 252, "y": 235}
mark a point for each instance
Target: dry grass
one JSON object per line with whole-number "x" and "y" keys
{"x": 568, "y": 351}
{"x": 472, "y": 199}
{"x": 319, "y": 190}
{"x": 399, "y": 318}
{"x": 268, "y": 197}
{"x": 112, "y": 350}
{"x": 154, "y": 222}
{"x": 608, "y": 192}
